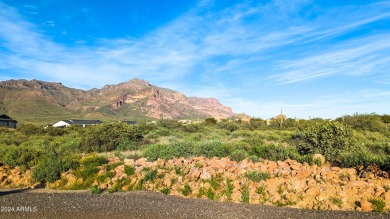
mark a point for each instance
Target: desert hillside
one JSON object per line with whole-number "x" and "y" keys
{"x": 135, "y": 99}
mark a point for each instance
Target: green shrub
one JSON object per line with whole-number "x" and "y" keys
{"x": 186, "y": 190}
{"x": 210, "y": 194}
{"x": 30, "y": 129}
{"x": 215, "y": 182}
{"x": 229, "y": 189}
{"x": 162, "y": 132}
{"x": 212, "y": 148}
{"x": 260, "y": 190}
{"x": 328, "y": 139}
{"x": 54, "y": 131}
{"x": 165, "y": 190}
{"x": 25, "y": 157}
{"x": 129, "y": 170}
{"x": 238, "y": 155}
{"x": 245, "y": 195}
{"x": 96, "y": 190}
{"x": 230, "y": 126}
{"x": 48, "y": 170}
{"x": 275, "y": 152}
{"x": 150, "y": 175}
{"x": 378, "y": 205}
{"x": 93, "y": 160}
{"x": 336, "y": 201}
{"x": 108, "y": 137}
{"x": 155, "y": 151}
{"x": 366, "y": 122}
{"x": 210, "y": 121}
{"x": 257, "y": 176}
{"x": 183, "y": 149}
{"x": 191, "y": 128}
{"x": 201, "y": 192}
{"x": 89, "y": 164}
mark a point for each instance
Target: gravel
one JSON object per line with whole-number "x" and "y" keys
{"x": 43, "y": 203}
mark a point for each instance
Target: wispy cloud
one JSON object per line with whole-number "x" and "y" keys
{"x": 362, "y": 56}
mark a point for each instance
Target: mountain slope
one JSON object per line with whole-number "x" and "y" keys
{"x": 38, "y": 100}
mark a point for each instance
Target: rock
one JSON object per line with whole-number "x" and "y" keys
{"x": 366, "y": 205}
{"x": 142, "y": 162}
{"x": 302, "y": 174}
{"x": 167, "y": 182}
{"x": 332, "y": 175}
{"x": 128, "y": 162}
{"x": 386, "y": 196}
{"x": 205, "y": 175}
{"x": 295, "y": 166}
{"x": 113, "y": 159}
{"x": 120, "y": 170}
{"x": 282, "y": 164}
{"x": 194, "y": 174}
{"x": 358, "y": 184}
{"x": 311, "y": 183}
{"x": 298, "y": 186}
{"x": 70, "y": 178}
{"x": 312, "y": 191}
{"x": 292, "y": 197}
{"x": 103, "y": 186}
{"x": 322, "y": 196}
{"x": 272, "y": 166}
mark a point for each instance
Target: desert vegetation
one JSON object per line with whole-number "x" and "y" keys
{"x": 356, "y": 142}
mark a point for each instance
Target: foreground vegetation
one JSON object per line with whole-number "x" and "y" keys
{"x": 349, "y": 141}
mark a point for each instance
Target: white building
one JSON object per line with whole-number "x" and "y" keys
{"x": 83, "y": 123}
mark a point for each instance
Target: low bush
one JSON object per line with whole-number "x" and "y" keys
{"x": 25, "y": 157}
{"x": 48, "y": 170}
{"x": 108, "y": 137}
{"x": 210, "y": 194}
{"x": 129, "y": 170}
{"x": 96, "y": 190}
{"x": 229, "y": 189}
{"x": 257, "y": 176}
{"x": 89, "y": 164}
{"x": 155, "y": 151}
{"x": 328, "y": 139}
{"x": 186, "y": 190}
{"x": 275, "y": 152}
{"x": 165, "y": 190}
{"x": 245, "y": 195}
{"x": 239, "y": 155}
{"x": 378, "y": 205}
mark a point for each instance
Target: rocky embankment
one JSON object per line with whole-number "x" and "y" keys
{"x": 281, "y": 183}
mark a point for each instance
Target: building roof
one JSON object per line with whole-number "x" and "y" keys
{"x": 82, "y": 122}
{"x": 6, "y": 118}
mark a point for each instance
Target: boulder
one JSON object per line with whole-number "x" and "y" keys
{"x": 128, "y": 162}
{"x": 366, "y": 205}
{"x": 312, "y": 191}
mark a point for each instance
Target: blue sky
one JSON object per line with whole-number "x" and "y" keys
{"x": 309, "y": 58}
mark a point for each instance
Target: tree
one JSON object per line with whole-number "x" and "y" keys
{"x": 210, "y": 121}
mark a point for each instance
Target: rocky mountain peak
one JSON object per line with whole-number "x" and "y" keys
{"x": 133, "y": 99}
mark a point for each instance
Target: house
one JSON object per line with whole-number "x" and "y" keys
{"x": 83, "y": 123}
{"x": 7, "y": 121}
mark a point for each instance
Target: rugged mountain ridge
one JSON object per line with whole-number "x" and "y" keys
{"x": 134, "y": 99}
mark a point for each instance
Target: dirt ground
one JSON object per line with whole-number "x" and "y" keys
{"x": 42, "y": 203}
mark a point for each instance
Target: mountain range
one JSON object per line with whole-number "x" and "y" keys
{"x": 133, "y": 100}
